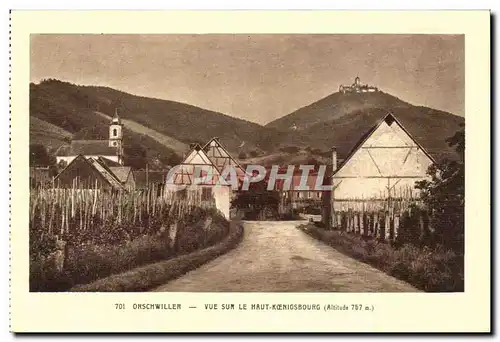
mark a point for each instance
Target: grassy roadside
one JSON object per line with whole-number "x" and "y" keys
{"x": 430, "y": 270}
{"x": 150, "y": 276}
{"x": 89, "y": 261}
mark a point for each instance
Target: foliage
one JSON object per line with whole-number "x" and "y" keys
{"x": 340, "y": 121}
{"x": 40, "y": 157}
{"x": 333, "y": 121}
{"x": 257, "y": 201}
{"x": 291, "y": 214}
{"x": 152, "y": 275}
{"x": 444, "y": 196}
{"x": 71, "y": 107}
{"x": 97, "y": 131}
{"x": 312, "y": 207}
{"x": 95, "y": 232}
{"x": 135, "y": 156}
{"x": 411, "y": 227}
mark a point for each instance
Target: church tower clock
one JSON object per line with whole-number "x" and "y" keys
{"x": 116, "y": 136}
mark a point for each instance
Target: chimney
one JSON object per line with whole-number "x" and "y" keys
{"x": 334, "y": 159}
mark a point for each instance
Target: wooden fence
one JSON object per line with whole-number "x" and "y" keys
{"x": 59, "y": 210}
{"x": 380, "y": 218}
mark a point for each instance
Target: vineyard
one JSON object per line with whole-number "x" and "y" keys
{"x": 80, "y": 235}
{"x": 381, "y": 218}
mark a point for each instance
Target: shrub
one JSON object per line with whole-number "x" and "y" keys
{"x": 152, "y": 275}
{"x": 79, "y": 236}
{"x": 88, "y": 262}
{"x": 444, "y": 196}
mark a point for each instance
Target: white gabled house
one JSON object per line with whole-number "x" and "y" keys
{"x": 198, "y": 173}
{"x": 385, "y": 163}
{"x": 221, "y": 158}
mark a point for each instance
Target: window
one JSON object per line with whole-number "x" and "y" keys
{"x": 114, "y": 143}
{"x": 115, "y": 132}
{"x": 206, "y": 194}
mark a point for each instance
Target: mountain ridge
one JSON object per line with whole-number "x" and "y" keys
{"x": 337, "y": 119}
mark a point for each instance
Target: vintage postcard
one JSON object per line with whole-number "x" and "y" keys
{"x": 250, "y": 171}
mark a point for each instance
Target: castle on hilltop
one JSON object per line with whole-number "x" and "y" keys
{"x": 357, "y": 87}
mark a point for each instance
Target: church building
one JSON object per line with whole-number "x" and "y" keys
{"x": 110, "y": 149}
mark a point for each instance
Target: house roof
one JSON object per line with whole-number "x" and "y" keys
{"x": 219, "y": 155}
{"x": 87, "y": 148}
{"x": 389, "y": 117}
{"x": 104, "y": 173}
{"x": 143, "y": 178}
{"x": 197, "y": 155}
{"x": 185, "y": 174}
{"x": 121, "y": 172}
{"x": 197, "y": 163}
{"x": 108, "y": 162}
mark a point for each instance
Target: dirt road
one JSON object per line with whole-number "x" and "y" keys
{"x": 276, "y": 256}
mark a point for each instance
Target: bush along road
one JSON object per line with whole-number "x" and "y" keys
{"x": 278, "y": 257}
{"x": 150, "y": 276}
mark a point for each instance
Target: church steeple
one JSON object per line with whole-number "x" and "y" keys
{"x": 116, "y": 135}
{"x": 116, "y": 118}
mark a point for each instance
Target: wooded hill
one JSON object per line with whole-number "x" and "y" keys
{"x": 61, "y": 111}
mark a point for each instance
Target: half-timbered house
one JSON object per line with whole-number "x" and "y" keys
{"x": 198, "y": 174}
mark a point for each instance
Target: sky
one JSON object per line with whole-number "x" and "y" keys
{"x": 258, "y": 77}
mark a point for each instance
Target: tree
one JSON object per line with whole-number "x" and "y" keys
{"x": 40, "y": 157}
{"x": 257, "y": 200}
{"x": 173, "y": 159}
{"x": 135, "y": 156}
{"x": 92, "y": 132}
{"x": 444, "y": 197}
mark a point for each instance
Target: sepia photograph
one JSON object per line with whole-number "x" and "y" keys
{"x": 246, "y": 162}
{"x": 250, "y": 172}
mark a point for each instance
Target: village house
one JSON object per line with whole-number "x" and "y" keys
{"x": 125, "y": 175}
{"x": 40, "y": 176}
{"x": 197, "y": 165}
{"x": 145, "y": 179}
{"x": 111, "y": 149}
{"x": 384, "y": 164}
{"x": 299, "y": 196}
{"x": 220, "y": 157}
{"x": 87, "y": 173}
